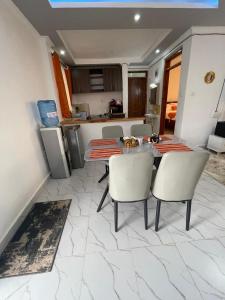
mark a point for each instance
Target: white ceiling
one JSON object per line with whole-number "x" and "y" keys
{"x": 112, "y": 45}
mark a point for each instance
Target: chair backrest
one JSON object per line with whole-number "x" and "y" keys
{"x": 130, "y": 176}
{"x": 178, "y": 175}
{"x": 109, "y": 132}
{"x": 141, "y": 130}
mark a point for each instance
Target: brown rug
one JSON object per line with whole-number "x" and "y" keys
{"x": 216, "y": 167}
{"x": 34, "y": 246}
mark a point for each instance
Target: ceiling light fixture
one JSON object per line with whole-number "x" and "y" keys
{"x": 137, "y": 17}
{"x": 157, "y": 51}
{"x": 62, "y": 52}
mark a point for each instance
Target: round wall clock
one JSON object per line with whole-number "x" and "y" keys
{"x": 209, "y": 77}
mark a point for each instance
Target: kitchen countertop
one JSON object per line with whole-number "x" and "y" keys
{"x": 74, "y": 121}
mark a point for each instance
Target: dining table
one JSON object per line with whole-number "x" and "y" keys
{"x": 103, "y": 149}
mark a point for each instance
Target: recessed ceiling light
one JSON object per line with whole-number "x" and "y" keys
{"x": 137, "y": 17}
{"x": 153, "y": 85}
{"x": 62, "y": 52}
{"x": 157, "y": 51}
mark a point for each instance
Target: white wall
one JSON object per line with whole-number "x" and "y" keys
{"x": 197, "y": 100}
{"x": 207, "y": 54}
{"x": 125, "y": 88}
{"x": 185, "y": 65}
{"x": 90, "y": 131}
{"x": 23, "y": 81}
{"x": 48, "y": 73}
{"x": 98, "y": 102}
{"x": 155, "y": 75}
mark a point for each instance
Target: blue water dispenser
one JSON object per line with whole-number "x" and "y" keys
{"x": 48, "y": 113}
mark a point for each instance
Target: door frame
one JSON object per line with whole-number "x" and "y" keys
{"x": 167, "y": 70}
{"x": 146, "y": 77}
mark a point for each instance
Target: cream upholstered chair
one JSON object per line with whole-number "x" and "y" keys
{"x": 176, "y": 179}
{"x": 141, "y": 130}
{"x": 130, "y": 180}
{"x": 110, "y": 132}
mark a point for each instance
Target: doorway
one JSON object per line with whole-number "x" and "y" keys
{"x": 170, "y": 95}
{"x": 137, "y": 93}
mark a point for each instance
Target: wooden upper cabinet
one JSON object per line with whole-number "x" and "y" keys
{"x": 97, "y": 79}
{"x": 108, "y": 79}
{"x": 112, "y": 79}
{"x": 81, "y": 81}
{"x": 118, "y": 79}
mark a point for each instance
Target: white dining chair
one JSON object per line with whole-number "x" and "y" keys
{"x": 130, "y": 180}
{"x": 141, "y": 130}
{"x": 176, "y": 179}
{"x": 110, "y": 132}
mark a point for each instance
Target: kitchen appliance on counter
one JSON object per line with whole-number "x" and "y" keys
{"x": 75, "y": 145}
{"x": 57, "y": 152}
{"x": 116, "y": 109}
{"x": 81, "y": 111}
{"x": 117, "y": 115}
{"x": 99, "y": 117}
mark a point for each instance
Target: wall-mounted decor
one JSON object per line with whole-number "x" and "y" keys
{"x": 209, "y": 77}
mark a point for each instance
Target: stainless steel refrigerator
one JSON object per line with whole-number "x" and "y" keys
{"x": 75, "y": 145}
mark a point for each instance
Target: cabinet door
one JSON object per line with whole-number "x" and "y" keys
{"x": 137, "y": 96}
{"x": 117, "y": 76}
{"x": 112, "y": 79}
{"x": 81, "y": 81}
{"x": 108, "y": 79}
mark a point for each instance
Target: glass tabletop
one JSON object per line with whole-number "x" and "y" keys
{"x": 145, "y": 147}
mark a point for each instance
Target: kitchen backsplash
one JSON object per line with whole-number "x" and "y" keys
{"x": 98, "y": 102}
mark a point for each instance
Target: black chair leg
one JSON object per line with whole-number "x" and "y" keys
{"x": 146, "y": 213}
{"x": 157, "y": 215}
{"x": 116, "y": 215}
{"x": 188, "y": 215}
{"x": 103, "y": 198}
{"x": 105, "y": 175}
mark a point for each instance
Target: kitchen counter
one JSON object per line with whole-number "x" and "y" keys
{"x": 73, "y": 121}
{"x": 92, "y": 129}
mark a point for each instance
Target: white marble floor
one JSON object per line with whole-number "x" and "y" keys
{"x": 95, "y": 263}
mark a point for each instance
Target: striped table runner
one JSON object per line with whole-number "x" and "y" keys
{"x": 163, "y": 148}
{"x": 103, "y": 142}
{"x": 104, "y": 153}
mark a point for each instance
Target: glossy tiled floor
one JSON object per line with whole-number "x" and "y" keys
{"x": 93, "y": 262}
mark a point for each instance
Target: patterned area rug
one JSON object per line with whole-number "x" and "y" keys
{"x": 216, "y": 167}
{"x": 34, "y": 246}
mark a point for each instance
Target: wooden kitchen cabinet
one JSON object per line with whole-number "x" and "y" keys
{"x": 81, "y": 81}
{"x": 112, "y": 79}
{"x": 97, "y": 79}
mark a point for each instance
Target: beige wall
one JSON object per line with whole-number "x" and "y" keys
{"x": 174, "y": 84}
{"x": 24, "y": 79}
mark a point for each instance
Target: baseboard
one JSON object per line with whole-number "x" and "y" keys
{"x": 21, "y": 216}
